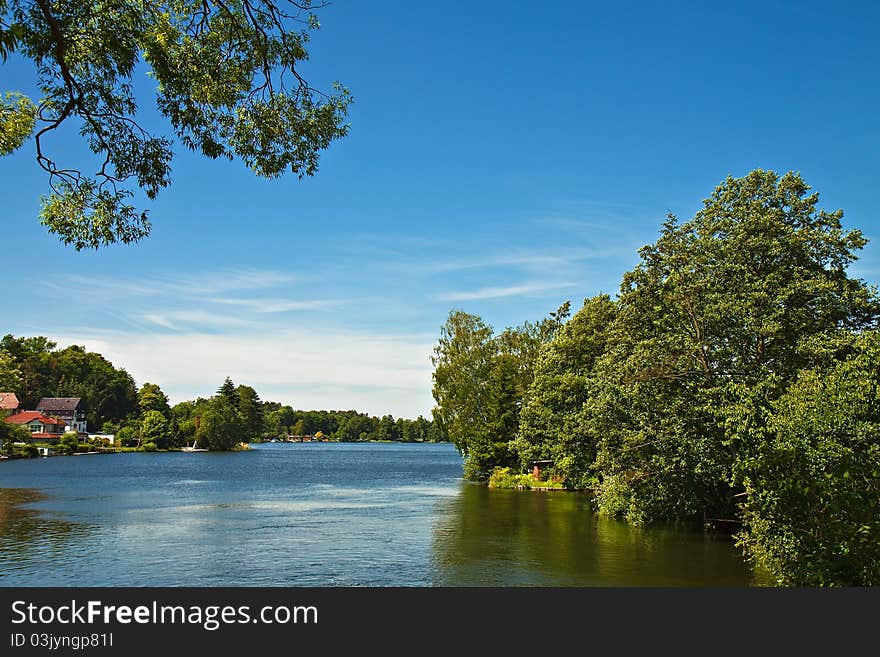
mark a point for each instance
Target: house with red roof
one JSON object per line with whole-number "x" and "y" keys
{"x": 9, "y": 404}
{"x": 41, "y": 426}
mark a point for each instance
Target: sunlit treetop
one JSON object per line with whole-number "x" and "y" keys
{"x": 228, "y": 80}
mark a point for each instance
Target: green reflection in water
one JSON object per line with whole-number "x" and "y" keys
{"x": 28, "y": 535}
{"x": 514, "y": 538}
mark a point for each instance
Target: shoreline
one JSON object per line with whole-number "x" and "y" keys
{"x": 244, "y": 447}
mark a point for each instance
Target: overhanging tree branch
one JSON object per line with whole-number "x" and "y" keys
{"x": 221, "y": 68}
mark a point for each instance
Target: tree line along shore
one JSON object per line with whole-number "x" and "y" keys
{"x": 129, "y": 418}
{"x": 734, "y": 380}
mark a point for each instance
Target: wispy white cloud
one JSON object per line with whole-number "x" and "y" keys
{"x": 183, "y": 285}
{"x": 497, "y": 261}
{"x": 218, "y": 300}
{"x": 541, "y": 261}
{"x": 262, "y": 305}
{"x": 548, "y": 249}
{"x": 179, "y": 319}
{"x": 500, "y": 292}
{"x": 581, "y": 225}
{"x": 159, "y": 320}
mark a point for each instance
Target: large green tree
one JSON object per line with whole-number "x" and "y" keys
{"x": 155, "y": 429}
{"x": 151, "y": 398}
{"x": 227, "y": 391}
{"x": 644, "y": 400}
{"x": 463, "y": 362}
{"x": 11, "y": 434}
{"x": 251, "y": 409}
{"x": 812, "y": 481}
{"x": 10, "y": 374}
{"x": 221, "y": 426}
{"x": 748, "y": 292}
{"x": 228, "y": 77}
{"x": 480, "y": 380}
{"x": 108, "y": 393}
{"x": 32, "y": 357}
{"x": 552, "y": 424}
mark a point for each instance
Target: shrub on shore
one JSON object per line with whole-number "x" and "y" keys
{"x": 504, "y": 478}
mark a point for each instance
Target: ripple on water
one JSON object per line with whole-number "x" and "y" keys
{"x": 27, "y": 534}
{"x": 347, "y": 515}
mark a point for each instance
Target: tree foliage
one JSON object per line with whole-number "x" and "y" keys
{"x": 748, "y": 292}
{"x": 812, "y": 510}
{"x": 10, "y": 374}
{"x": 108, "y": 393}
{"x": 280, "y": 421}
{"x": 228, "y": 79}
{"x": 151, "y": 398}
{"x": 155, "y": 429}
{"x": 17, "y": 119}
{"x": 69, "y": 442}
{"x": 462, "y": 364}
{"x": 553, "y": 425}
{"x": 221, "y": 426}
{"x": 12, "y": 433}
{"x": 227, "y": 391}
{"x": 480, "y": 380}
{"x": 734, "y": 377}
{"x": 252, "y": 414}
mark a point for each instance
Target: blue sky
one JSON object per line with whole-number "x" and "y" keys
{"x": 503, "y": 157}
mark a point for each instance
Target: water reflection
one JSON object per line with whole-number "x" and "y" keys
{"x": 510, "y": 538}
{"x": 28, "y": 535}
{"x": 322, "y": 515}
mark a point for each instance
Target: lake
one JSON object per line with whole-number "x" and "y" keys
{"x": 322, "y": 514}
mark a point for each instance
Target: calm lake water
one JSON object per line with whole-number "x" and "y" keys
{"x": 321, "y": 515}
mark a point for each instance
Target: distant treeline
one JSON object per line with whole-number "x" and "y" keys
{"x": 349, "y": 426}
{"x": 733, "y": 380}
{"x": 274, "y": 420}
{"x": 33, "y": 368}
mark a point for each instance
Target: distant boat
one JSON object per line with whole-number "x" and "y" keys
{"x": 192, "y": 449}
{"x": 3, "y": 457}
